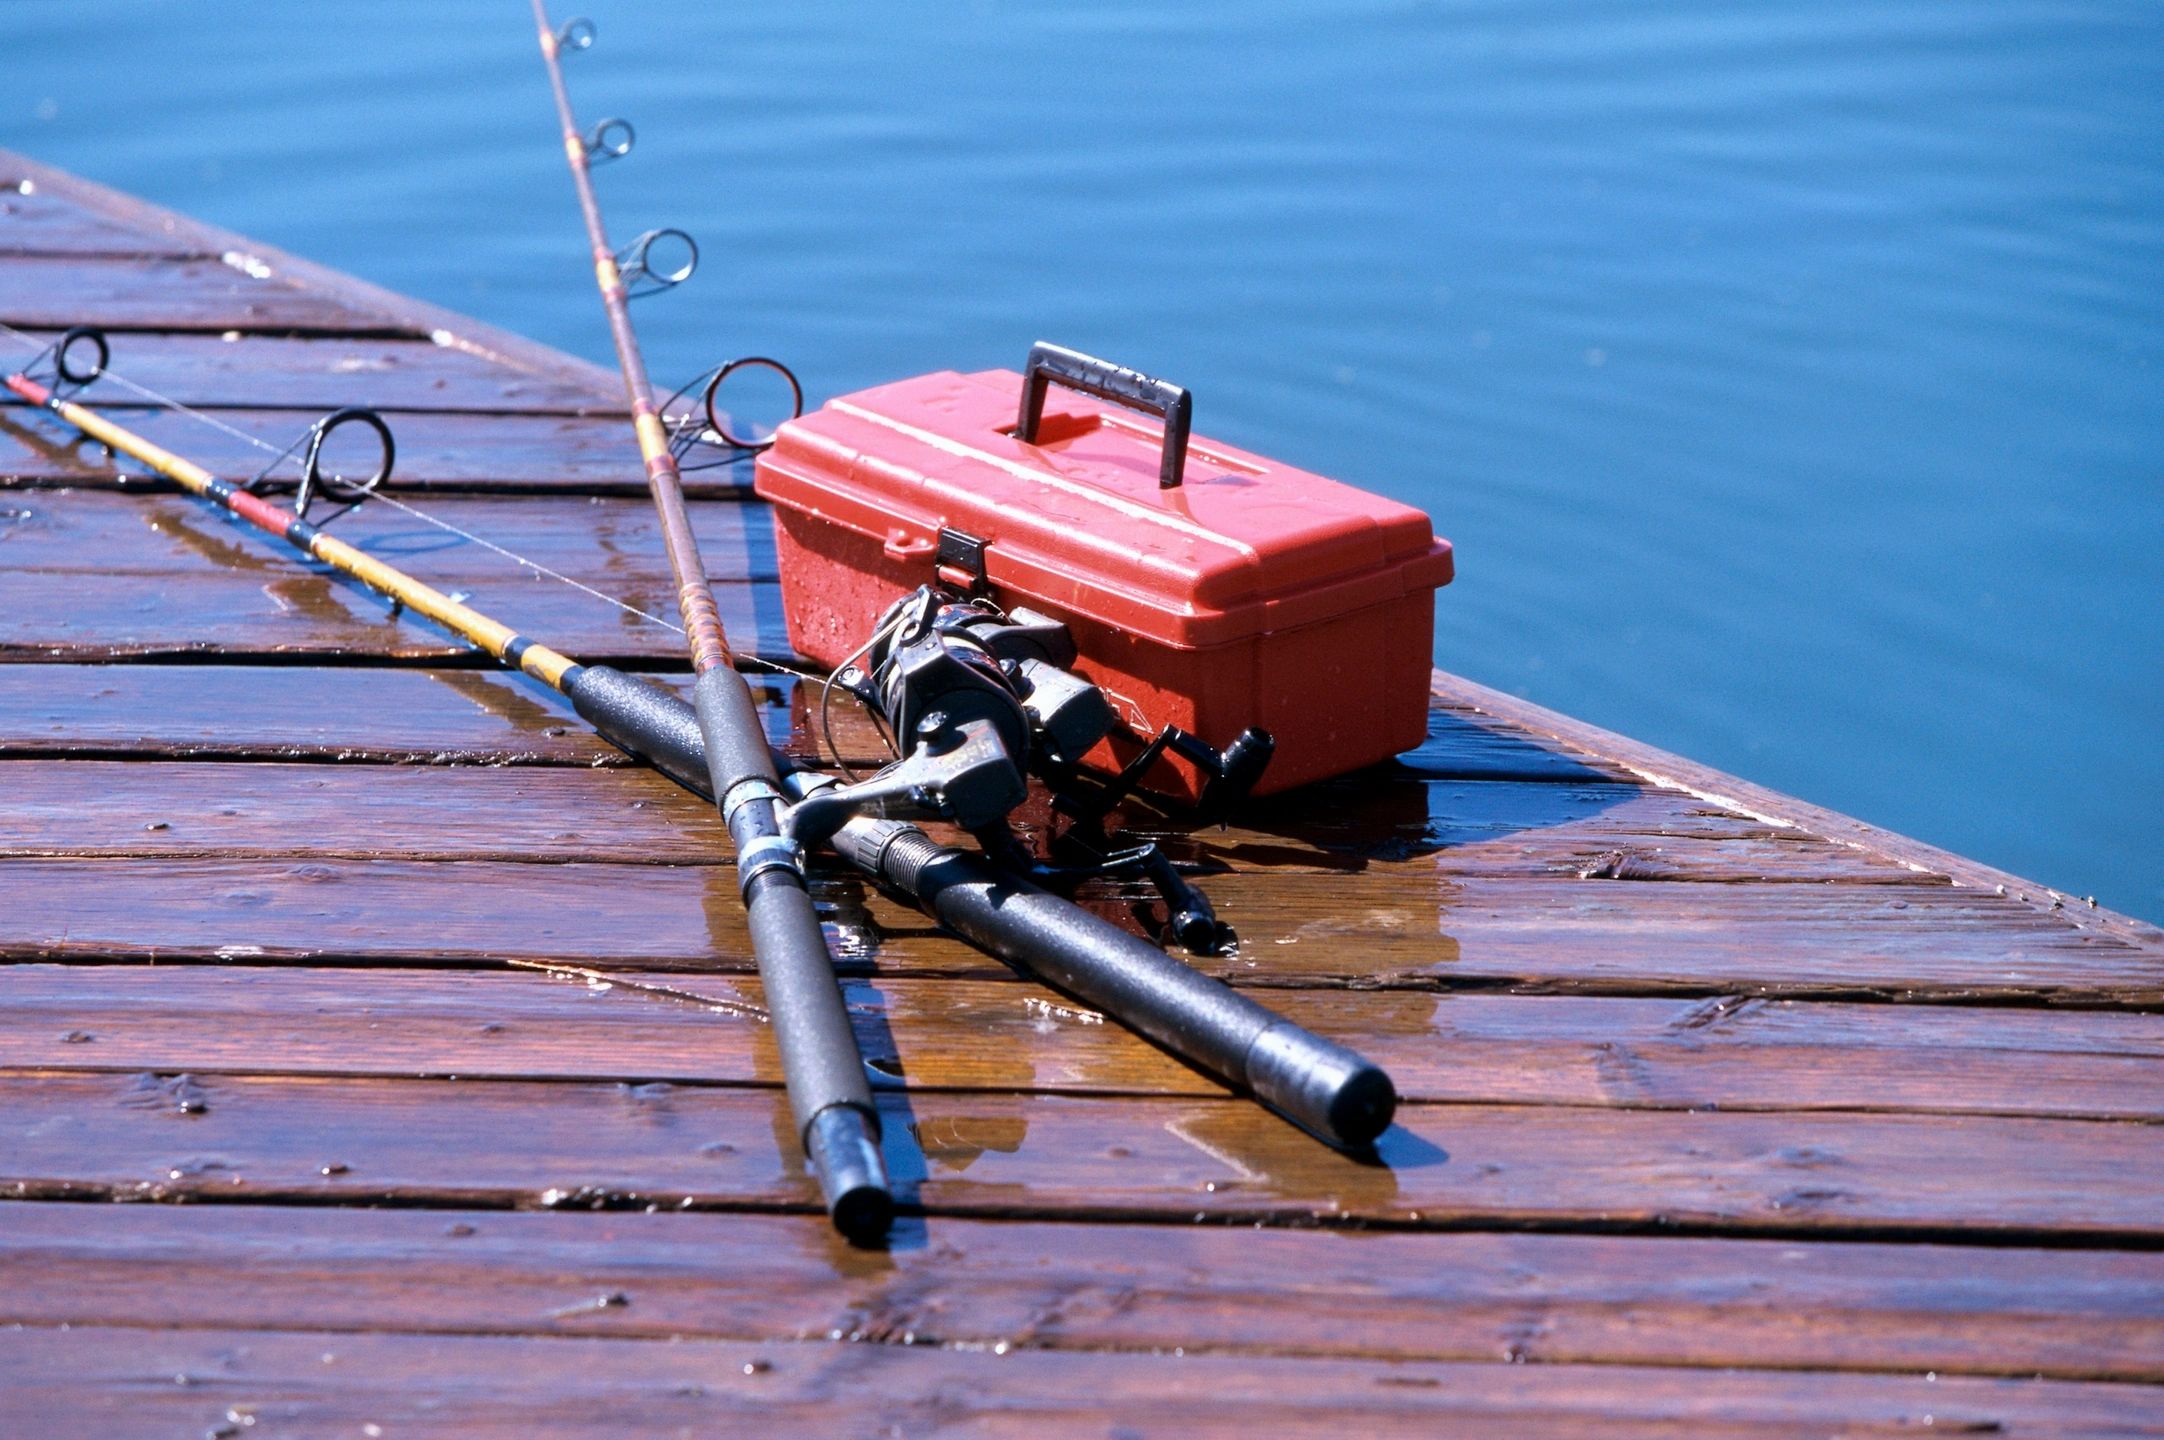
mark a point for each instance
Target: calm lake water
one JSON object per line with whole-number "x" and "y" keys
{"x": 1789, "y": 375}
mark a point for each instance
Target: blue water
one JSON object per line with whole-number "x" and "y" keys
{"x": 1789, "y": 375}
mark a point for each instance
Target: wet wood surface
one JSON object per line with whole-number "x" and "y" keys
{"x": 579, "y": 1023}
{"x": 103, "y": 1382}
{"x": 312, "y": 375}
{"x": 295, "y": 611}
{"x": 485, "y": 717}
{"x": 87, "y": 807}
{"x": 1726, "y": 1114}
{"x": 605, "y": 542}
{"x": 310, "y": 1139}
{"x": 162, "y": 293}
{"x": 1472, "y": 1296}
{"x": 34, "y": 222}
{"x": 465, "y": 454}
{"x": 1600, "y": 937}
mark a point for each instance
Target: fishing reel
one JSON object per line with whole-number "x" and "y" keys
{"x": 975, "y": 701}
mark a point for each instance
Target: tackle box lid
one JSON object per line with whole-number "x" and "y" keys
{"x": 1083, "y": 519}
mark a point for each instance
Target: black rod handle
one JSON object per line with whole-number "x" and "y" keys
{"x": 1331, "y": 1091}
{"x": 1328, "y": 1089}
{"x": 821, "y": 1065}
{"x": 1116, "y": 383}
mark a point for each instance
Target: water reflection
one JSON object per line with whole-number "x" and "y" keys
{"x": 1267, "y": 1158}
{"x": 209, "y": 533}
{"x": 526, "y": 712}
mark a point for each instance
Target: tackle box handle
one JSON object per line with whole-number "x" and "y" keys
{"x": 1107, "y": 381}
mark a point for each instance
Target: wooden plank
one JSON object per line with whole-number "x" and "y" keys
{"x": 514, "y": 1143}
{"x": 497, "y": 347}
{"x": 124, "y": 293}
{"x": 1411, "y": 925}
{"x": 346, "y": 712}
{"x": 1000, "y": 1035}
{"x": 289, "y": 610}
{"x": 1659, "y": 767}
{"x": 437, "y": 450}
{"x": 119, "y": 1384}
{"x": 1406, "y": 930}
{"x": 1387, "y": 820}
{"x": 605, "y": 543}
{"x": 262, "y": 371}
{"x": 249, "y": 594}
{"x": 81, "y": 807}
{"x": 341, "y": 713}
{"x": 1540, "y": 1299}
{"x": 36, "y": 222}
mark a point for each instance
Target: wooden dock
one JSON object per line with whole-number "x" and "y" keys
{"x": 1726, "y": 1115}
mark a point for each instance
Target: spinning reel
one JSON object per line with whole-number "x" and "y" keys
{"x": 976, "y": 700}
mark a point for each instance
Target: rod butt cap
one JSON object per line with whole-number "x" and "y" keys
{"x": 1334, "y": 1092}
{"x": 853, "y": 1178}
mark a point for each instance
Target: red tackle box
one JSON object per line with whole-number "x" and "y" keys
{"x": 1206, "y": 587}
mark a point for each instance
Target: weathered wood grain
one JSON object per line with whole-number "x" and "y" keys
{"x": 348, "y": 712}
{"x": 126, "y": 293}
{"x": 1410, "y": 928}
{"x": 288, "y": 609}
{"x": 36, "y": 222}
{"x": 1538, "y": 1299}
{"x": 482, "y": 717}
{"x": 83, "y": 807}
{"x": 121, "y": 1384}
{"x": 1388, "y": 818}
{"x": 515, "y": 1143}
{"x": 1656, "y": 766}
{"x": 606, "y": 543}
{"x": 176, "y": 576}
{"x": 278, "y": 372}
{"x": 1001, "y": 1035}
{"x": 437, "y": 450}
{"x": 499, "y": 348}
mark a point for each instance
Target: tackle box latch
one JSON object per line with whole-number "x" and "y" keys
{"x": 959, "y": 563}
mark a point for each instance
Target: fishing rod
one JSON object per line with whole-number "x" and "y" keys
{"x": 821, "y": 1066}
{"x": 1322, "y": 1086}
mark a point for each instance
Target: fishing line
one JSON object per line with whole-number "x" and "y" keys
{"x": 826, "y": 698}
{"x": 180, "y": 407}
